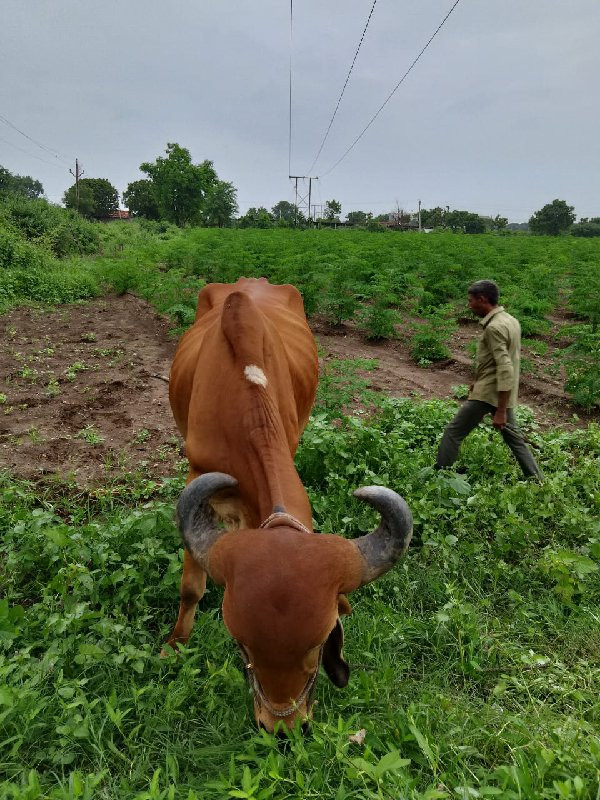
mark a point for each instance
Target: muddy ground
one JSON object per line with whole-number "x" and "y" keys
{"x": 84, "y": 392}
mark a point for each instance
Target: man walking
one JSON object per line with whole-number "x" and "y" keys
{"x": 496, "y": 382}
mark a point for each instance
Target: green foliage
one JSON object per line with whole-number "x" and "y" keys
{"x": 333, "y": 208}
{"x": 474, "y": 662}
{"x": 465, "y": 221}
{"x": 183, "y": 314}
{"x": 256, "y": 218}
{"x": 22, "y": 185}
{"x": 97, "y": 198}
{"x": 179, "y": 186}
{"x": 286, "y": 213}
{"x": 554, "y": 218}
{"x": 341, "y": 385}
{"x": 429, "y": 342}
{"x": 33, "y": 234}
{"x": 586, "y": 229}
{"x": 140, "y": 199}
{"x": 581, "y": 360}
{"x": 59, "y": 232}
{"x": 377, "y": 319}
{"x": 358, "y": 217}
{"x": 220, "y": 204}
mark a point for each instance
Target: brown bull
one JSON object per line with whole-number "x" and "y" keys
{"x": 241, "y": 388}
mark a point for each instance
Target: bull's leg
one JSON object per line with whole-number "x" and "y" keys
{"x": 193, "y": 585}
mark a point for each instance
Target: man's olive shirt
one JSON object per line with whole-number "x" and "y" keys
{"x": 498, "y": 358}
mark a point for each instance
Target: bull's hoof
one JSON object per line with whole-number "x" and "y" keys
{"x": 172, "y": 645}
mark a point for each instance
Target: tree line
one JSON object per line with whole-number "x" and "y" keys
{"x": 178, "y": 191}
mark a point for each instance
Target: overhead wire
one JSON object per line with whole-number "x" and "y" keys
{"x": 31, "y": 155}
{"x": 49, "y": 150}
{"x": 290, "y": 114}
{"x": 392, "y": 93}
{"x": 316, "y": 158}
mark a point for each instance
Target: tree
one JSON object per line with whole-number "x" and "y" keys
{"x": 140, "y": 199}
{"x": 434, "y": 218}
{"x": 358, "y": 217}
{"x": 179, "y": 185}
{"x": 256, "y": 218}
{"x": 97, "y": 198}
{"x": 220, "y": 204}
{"x": 23, "y": 185}
{"x": 473, "y": 223}
{"x": 284, "y": 211}
{"x": 554, "y": 218}
{"x": 499, "y": 223}
{"x": 332, "y": 209}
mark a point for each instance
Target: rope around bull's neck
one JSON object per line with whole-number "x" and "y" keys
{"x": 262, "y": 698}
{"x": 283, "y": 518}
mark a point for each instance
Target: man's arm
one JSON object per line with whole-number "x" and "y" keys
{"x": 499, "y": 418}
{"x": 505, "y": 374}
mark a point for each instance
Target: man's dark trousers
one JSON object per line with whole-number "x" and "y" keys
{"x": 467, "y": 418}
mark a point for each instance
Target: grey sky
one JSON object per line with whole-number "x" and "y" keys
{"x": 501, "y": 114}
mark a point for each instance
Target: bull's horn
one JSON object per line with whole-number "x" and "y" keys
{"x": 196, "y": 518}
{"x": 389, "y": 541}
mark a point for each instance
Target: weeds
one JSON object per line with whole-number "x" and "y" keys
{"x": 474, "y": 662}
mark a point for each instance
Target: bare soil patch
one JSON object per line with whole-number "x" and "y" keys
{"x": 83, "y": 390}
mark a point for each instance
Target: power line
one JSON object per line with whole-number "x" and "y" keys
{"x": 391, "y": 94}
{"x": 31, "y": 139}
{"x": 291, "y": 47}
{"x": 310, "y": 169}
{"x": 31, "y": 155}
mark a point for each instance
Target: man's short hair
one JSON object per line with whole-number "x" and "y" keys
{"x": 487, "y": 289}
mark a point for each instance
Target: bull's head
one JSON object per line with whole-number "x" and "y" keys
{"x": 285, "y": 591}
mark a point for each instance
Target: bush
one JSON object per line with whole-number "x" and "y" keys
{"x": 378, "y": 320}
{"x": 581, "y": 364}
{"x": 586, "y": 229}
{"x": 430, "y": 340}
{"x": 62, "y": 233}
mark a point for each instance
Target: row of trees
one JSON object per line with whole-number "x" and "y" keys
{"x": 285, "y": 215}
{"x": 184, "y": 193}
{"x": 175, "y": 190}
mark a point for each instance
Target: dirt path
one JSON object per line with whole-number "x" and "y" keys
{"x": 83, "y": 389}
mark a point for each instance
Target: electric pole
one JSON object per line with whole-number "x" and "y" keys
{"x": 77, "y": 174}
{"x": 420, "y": 228}
{"x": 296, "y": 178}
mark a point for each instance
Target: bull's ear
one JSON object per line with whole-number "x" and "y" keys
{"x": 344, "y": 607}
{"x": 337, "y": 670}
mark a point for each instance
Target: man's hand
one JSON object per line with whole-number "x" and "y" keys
{"x": 499, "y": 418}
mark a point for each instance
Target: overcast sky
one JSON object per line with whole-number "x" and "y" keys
{"x": 500, "y": 115}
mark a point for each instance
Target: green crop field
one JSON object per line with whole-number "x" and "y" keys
{"x": 379, "y": 281}
{"x": 475, "y": 663}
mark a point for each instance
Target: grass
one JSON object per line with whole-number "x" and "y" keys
{"x": 475, "y": 662}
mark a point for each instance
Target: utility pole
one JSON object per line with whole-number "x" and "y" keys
{"x": 420, "y": 228}
{"x": 77, "y": 174}
{"x": 296, "y": 178}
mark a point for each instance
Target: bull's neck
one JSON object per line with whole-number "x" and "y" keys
{"x": 279, "y": 487}
{"x": 287, "y": 495}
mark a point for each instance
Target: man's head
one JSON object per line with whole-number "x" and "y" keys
{"x": 483, "y": 297}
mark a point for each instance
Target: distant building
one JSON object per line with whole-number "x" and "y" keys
{"x": 120, "y": 213}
